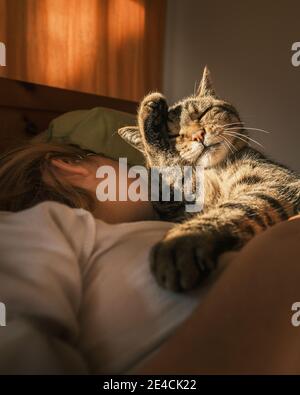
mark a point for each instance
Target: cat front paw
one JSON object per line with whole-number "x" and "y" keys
{"x": 152, "y": 119}
{"x": 181, "y": 262}
{"x": 154, "y": 102}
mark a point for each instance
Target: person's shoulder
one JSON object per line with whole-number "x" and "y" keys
{"x": 64, "y": 215}
{"x": 50, "y": 212}
{"x": 44, "y": 207}
{"x": 52, "y": 208}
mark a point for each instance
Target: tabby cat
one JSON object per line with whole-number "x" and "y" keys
{"x": 245, "y": 192}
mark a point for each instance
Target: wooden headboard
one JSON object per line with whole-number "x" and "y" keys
{"x": 26, "y": 109}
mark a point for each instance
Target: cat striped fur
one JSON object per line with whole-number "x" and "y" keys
{"x": 245, "y": 192}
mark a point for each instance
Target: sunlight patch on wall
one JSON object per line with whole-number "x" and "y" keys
{"x": 68, "y": 36}
{"x": 107, "y": 47}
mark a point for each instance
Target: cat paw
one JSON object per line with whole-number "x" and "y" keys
{"x": 155, "y": 105}
{"x": 152, "y": 118}
{"x": 180, "y": 263}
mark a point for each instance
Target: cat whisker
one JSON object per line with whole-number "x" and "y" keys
{"x": 241, "y": 136}
{"x": 246, "y": 128}
{"x": 233, "y": 124}
{"x": 234, "y": 148}
{"x": 195, "y": 87}
{"x": 229, "y": 144}
{"x": 235, "y": 134}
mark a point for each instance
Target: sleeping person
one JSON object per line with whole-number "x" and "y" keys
{"x": 80, "y": 298}
{"x": 75, "y": 270}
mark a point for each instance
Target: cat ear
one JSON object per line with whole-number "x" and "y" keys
{"x": 132, "y": 136}
{"x": 174, "y": 112}
{"x": 206, "y": 87}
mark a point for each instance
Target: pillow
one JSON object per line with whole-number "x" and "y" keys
{"x": 96, "y": 130}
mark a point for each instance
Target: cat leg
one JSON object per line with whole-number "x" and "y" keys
{"x": 189, "y": 252}
{"x": 152, "y": 121}
{"x": 153, "y": 125}
{"x": 152, "y": 139}
{"x": 151, "y": 136}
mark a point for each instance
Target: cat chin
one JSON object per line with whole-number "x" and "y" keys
{"x": 205, "y": 161}
{"x": 210, "y": 159}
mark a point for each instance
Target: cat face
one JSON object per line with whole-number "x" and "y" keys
{"x": 202, "y": 127}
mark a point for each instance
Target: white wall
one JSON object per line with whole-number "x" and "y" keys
{"x": 247, "y": 46}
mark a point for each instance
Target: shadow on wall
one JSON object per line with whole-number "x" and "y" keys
{"x": 247, "y": 46}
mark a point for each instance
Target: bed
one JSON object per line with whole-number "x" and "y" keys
{"x": 52, "y": 325}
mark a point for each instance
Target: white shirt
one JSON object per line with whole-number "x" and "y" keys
{"x": 79, "y": 294}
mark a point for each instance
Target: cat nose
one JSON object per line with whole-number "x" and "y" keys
{"x": 199, "y": 135}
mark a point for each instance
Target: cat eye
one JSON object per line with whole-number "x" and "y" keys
{"x": 195, "y": 116}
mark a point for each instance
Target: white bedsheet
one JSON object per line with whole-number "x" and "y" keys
{"x": 79, "y": 294}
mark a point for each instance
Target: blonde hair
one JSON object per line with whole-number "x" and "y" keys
{"x": 22, "y": 181}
